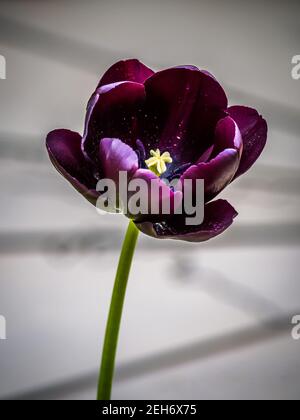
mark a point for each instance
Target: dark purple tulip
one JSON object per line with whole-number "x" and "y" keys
{"x": 182, "y": 111}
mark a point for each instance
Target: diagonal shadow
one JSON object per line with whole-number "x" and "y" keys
{"x": 105, "y": 240}
{"x": 59, "y": 48}
{"x": 190, "y": 273}
{"x": 194, "y": 352}
{"x": 95, "y": 59}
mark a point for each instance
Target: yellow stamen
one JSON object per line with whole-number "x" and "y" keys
{"x": 157, "y": 163}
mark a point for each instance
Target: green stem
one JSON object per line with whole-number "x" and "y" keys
{"x": 115, "y": 314}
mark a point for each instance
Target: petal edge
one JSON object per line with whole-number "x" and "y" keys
{"x": 64, "y": 149}
{"x": 218, "y": 217}
{"x": 254, "y": 129}
{"x": 126, "y": 70}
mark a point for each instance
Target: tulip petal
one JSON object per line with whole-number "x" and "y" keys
{"x": 217, "y": 173}
{"x": 126, "y": 70}
{"x": 206, "y": 155}
{"x": 227, "y": 136}
{"x": 64, "y": 148}
{"x": 116, "y": 156}
{"x": 218, "y": 216}
{"x": 254, "y": 130}
{"x": 186, "y": 103}
{"x": 158, "y": 195}
{"x": 112, "y": 112}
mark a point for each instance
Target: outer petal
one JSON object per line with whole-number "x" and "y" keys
{"x": 186, "y": 103}
{"x": 112, "y": 112}
{"x": 218, "y": 217}
{"x": 227, "y": 136}
{"x": 116, "y": 156}
{"x": 254, "y": 134}
{"x": 131, "y": 70}
{"x": 164, "y": 198}
{"x": 206, "y": 155}
{"x": 64, "y": 148}
{"x": 219, "y": 171}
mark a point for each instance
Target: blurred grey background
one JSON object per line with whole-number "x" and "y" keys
{"x": 214, "y": 319}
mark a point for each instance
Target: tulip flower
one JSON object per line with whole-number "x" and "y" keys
{"x": 157, "y": 127}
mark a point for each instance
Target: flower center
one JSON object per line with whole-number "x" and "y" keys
{"x": 157, "y": 162}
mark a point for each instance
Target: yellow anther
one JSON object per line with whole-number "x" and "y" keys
{"x": 157, "y": 163}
